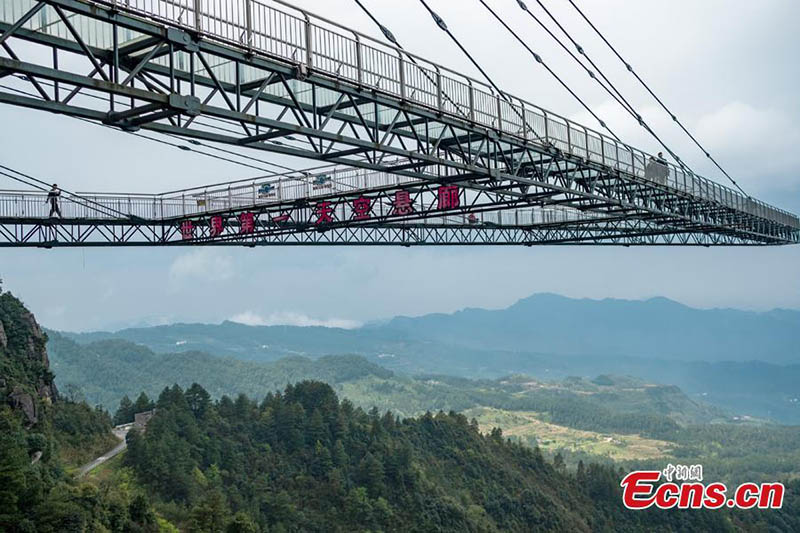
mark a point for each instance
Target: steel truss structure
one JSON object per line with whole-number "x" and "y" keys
{"x": 250, "y": 74}
{"x": 96, "y": 233}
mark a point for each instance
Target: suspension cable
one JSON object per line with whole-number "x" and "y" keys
{"x": 501, "y": 94}
{"x": 608, "y": 85}
{"x": 617, "y": 95}
{"x": 443, "y": 26}
{"x": 539, "y": 60}
{"x": 388, "y": 34}
{"x": 392, "y": 39}
{"x": 657, "y": 99}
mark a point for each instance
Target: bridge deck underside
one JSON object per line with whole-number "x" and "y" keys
{"x": 132, "y": 73}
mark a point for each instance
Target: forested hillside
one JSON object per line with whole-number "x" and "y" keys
{"x": 107, "y": 370}
{"x": 44, "y": 436}
{"x": 301, "y": 460}
{"x": 608, "y": 418}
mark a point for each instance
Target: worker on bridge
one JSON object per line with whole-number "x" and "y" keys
{"x": 52, "y": 198}
{"x": 657, "y": 169}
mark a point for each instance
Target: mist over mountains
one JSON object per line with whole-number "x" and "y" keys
{"x": 543, "y": 323}
{"x": 746, "y": 362}
{"x": 656, "y": 328}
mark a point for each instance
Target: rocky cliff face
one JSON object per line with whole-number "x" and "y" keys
{"x": 26, "y": 381}
{"x": 3, "y": 338}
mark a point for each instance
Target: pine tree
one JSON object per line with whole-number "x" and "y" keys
{"x": 371, "y": 474}
{"x": 242, "y": 523}
{"x": 13, "y": 462}
{"x": 340, "y": 458}
{"x": 322, "y": 462}
{"x": 317, "y": 432}
{"x": 124, "y": 414}
{"x": 143, "y": 403}
{"x": 198, "y": 399}
{"x": 140, "y": 511}
{"x": 558, "y": 462}
{"x": 210, "y": 515}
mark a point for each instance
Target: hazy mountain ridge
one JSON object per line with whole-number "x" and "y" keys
{"x": 547, "y": 336}
{"x": 655, "y": 328}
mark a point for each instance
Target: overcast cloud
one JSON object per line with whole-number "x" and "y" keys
{"x": 726, "y": 67}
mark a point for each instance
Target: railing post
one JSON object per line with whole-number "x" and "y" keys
{"x": 546, "y": 127}
{"x": 439, "y": 104}
{"x": 524, "y": 122}
{"x": 309, "y": 45}
{"x": 603, "y": 149}
{"x": 586, "y": 137}
{"x": 359, "y": 61}
{"x": 471, "y": 101}
{"x": 499, "y": 114}
{"x": 402, "y": 66}
{"x": 249, "y": 21}
{"x": 569, "y": 137}
{"x": 198, "y": 19}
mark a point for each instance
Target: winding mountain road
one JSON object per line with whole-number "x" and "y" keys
{"x": 120, "y": 432}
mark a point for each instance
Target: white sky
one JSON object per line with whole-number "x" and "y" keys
{"x": 728, "y": 68}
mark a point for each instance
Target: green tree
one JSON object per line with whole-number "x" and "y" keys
{"x": 210, "y": 515}
{"x": 322, "y": 462}
{"x": 371, "y": 473}
{"x": 198, "y": 399}
{"x": 558, "y": 462}
{"x": 140, "y": 511}
{"x": 242, "y": 523}
{"x": 142, "y": 403}
{"x": 358, "y": 506}
{"x": 340, "y": 458}
{"x": 125, "y": 411}
{"x": 13, "y": 463}
{"x": 317, "y": 432}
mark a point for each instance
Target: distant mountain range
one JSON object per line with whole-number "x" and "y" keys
{"x": 544, "y": 323}
{"x": 656, "y": 328}
{"x": 747, "y": 362}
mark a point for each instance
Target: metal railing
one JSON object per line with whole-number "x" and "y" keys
{"x": 20, "y": 205}
{"x": 258, "y": 194}
{"x": 282, "y": 189}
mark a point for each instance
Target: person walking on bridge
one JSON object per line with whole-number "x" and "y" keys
{"x": 53, "y": 197}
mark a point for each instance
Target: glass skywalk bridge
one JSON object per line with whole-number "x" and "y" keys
{"x": 271, "y": 77}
